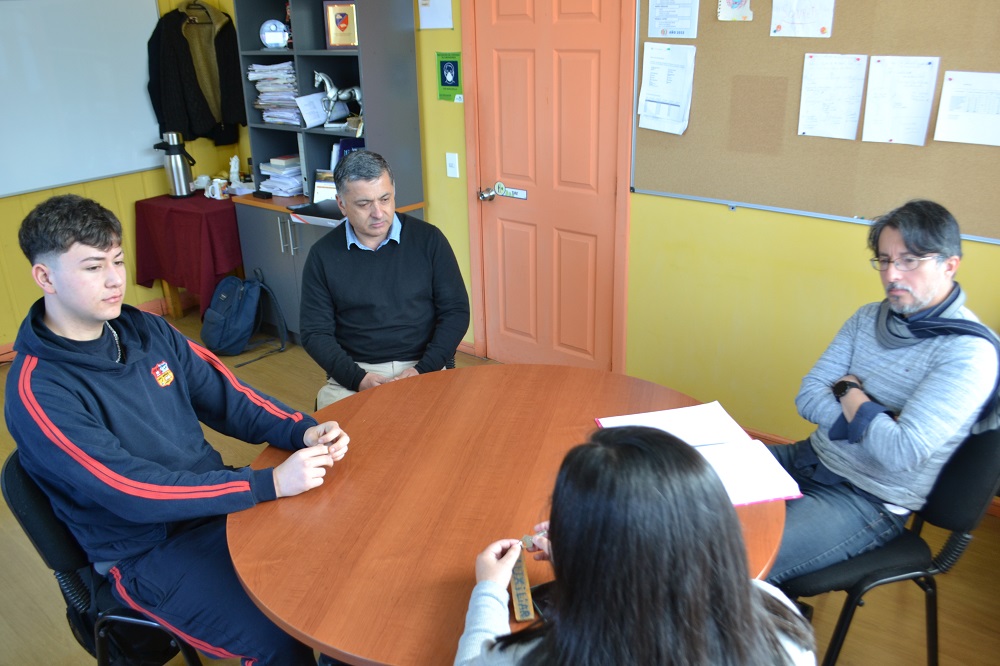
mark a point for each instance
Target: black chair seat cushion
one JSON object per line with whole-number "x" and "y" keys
{"x": 903, "y": 556}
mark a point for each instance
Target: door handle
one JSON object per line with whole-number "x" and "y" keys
{"x": 291, "y": 239}
{"x": 281, "y": 236}
{"x": 487, "y": 195}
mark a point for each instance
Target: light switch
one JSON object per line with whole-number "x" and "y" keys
{"x": 451, "y": 161}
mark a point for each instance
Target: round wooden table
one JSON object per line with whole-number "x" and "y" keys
{"x": 376, "y": 566}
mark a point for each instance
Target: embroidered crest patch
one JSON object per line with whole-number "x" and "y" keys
{"x": 163, "y": 374}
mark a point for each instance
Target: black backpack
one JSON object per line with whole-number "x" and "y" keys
{"x": 235, "y": 316}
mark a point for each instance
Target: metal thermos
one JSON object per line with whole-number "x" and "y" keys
{"x": 177, "y": 164}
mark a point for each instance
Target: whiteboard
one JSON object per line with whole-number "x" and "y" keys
{"x": 75, "y": 106}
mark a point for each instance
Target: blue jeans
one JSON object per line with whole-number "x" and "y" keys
{"x": 188, "y": 582}
{"x": 831, "y": 522}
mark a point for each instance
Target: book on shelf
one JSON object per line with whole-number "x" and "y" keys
{"x": 747, "y": 469}
{"x": 342, "y": 148}
{"x": 323, "y": 186}
{"x": 285, "y": 160}
{"x": 275, "y": 170}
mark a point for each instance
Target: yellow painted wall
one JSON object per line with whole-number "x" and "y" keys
{"x": 442, "y": 130}
{"x": 726, "y": 305}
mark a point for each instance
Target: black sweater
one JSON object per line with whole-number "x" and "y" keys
{"x": 403, "y": 302}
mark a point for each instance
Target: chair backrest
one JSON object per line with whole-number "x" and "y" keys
{"x": 87, "y": 595}
{"x": 30, "y": 505}
{"x": 966, "y": 485}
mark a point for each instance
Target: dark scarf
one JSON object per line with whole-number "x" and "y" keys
{"x": 893, "y": 331}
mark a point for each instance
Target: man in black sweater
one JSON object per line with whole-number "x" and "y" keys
{"x": 382, "y": 295}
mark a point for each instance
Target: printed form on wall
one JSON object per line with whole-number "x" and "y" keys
{"x": 900, "y": 94}
{"x": 675, "y": 19}
{"x": 970, "y": 108}
{"x": 832, "y": 87}
{"x": 667, "y": 82}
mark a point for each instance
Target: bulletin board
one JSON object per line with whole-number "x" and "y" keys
{"x": 75, "y": 106}
{"x": 741, "y": 146}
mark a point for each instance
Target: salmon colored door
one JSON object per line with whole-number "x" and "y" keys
{"x": 547, "y": 126}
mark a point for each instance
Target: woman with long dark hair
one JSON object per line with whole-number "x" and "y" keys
{"x": 650, "y": 569}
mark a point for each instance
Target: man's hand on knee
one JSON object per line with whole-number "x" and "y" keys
{"x": 372, "y": 380}
{"x": 409, "y": 372}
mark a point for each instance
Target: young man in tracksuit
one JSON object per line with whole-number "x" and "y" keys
{"x": 106, "y": 403}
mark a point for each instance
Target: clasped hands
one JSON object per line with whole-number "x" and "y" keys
{"x": 496, "y": 563}
{"x": 325, "y": 444}
{"x": 372, "y": 380}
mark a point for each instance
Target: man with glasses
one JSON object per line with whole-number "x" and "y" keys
{"x": 902, "y": 384}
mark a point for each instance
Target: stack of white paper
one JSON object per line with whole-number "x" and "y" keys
{"x": 277, "y": 89}
{"x": 747, "y": 469}
{"x": 283, "y": 186}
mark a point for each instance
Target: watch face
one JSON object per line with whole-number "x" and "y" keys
{"x": 842, "y": 387}
{"x": 274, "y": 34}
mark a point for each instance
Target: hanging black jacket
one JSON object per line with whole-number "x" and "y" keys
{"x": 177, "y": 87}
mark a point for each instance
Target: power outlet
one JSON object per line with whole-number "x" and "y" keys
{"x": 451, "y": 163}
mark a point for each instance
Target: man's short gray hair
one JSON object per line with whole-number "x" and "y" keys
{"x": 360, "y": 165}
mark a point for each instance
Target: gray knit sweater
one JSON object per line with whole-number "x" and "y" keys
{"x": 935, "y": 389}
{"x": 487, "y": 619}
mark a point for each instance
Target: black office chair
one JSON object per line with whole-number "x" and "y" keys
{"x": 957, "y": 503}
{"x": 116, "y": 636}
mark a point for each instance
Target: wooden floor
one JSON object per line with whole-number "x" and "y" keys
{"x": 887, "y": 631}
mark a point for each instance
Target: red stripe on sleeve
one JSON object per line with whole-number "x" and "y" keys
{"x": 221, "y": 367}
{"x": 102, "y": 471}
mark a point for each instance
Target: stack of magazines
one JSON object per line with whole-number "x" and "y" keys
{"x": 276, "y": 90}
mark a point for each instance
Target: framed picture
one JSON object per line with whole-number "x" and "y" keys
{"x": 341, "y": 24}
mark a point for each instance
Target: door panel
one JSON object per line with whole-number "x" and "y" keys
{"x": 517, "y": 287}
{"x": 548, "y": 123}
{"x": 576, "y": 283}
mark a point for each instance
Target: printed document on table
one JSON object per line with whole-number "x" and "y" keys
{"x": 832, "y": 88}
{"x": 675, "y": 19}
{"x": 900, "y": 94}
{"x": 747, "y": 469}
{"x": 802, "y": 18}
{"x": 970, "y": 108}
{"x": 667, "y": 82}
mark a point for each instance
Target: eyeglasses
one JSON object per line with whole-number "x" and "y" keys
{"x": 905, "y": 263}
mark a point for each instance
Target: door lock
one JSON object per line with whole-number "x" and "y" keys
{"x": 487, "y": 195}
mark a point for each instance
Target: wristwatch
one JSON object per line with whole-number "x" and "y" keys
{"x": 841, "y": 388}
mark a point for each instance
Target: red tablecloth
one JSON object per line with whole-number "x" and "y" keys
{"x": 191, "y": 242}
